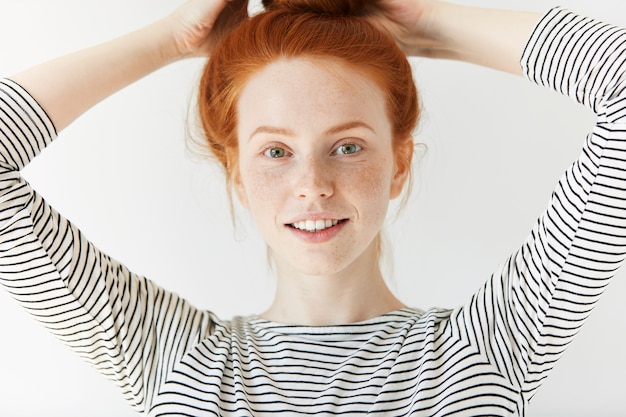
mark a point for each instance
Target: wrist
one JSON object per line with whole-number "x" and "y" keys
{"x": 437, "y": 16}
{"x": 424, "y": 31}
{"x": 165, "y": 44}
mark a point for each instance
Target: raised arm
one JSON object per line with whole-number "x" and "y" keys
{"x": 528, "y": 312}
{"x": 436, "y": 29}
{"x": 130, "y": 329}
{"x": 68, "y": 86}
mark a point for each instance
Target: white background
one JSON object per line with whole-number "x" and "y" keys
{"x": 496, "y": 147}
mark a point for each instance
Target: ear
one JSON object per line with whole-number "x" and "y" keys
{"x": 403, "y": 159}
{"x": 239, "y": 188}
{"x": 241, "y": 194}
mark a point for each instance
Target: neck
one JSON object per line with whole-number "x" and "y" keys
{"x": 356, "y": 293}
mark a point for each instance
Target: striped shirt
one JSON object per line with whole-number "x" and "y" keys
{"x": 487, "y": 357}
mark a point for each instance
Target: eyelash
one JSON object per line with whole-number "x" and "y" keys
{"x": 268, "y": 151}
{"x": 357, "y": 148}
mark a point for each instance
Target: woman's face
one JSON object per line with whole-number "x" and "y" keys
{"x": 316, "y": 163}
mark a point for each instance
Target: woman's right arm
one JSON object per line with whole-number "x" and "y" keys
{"x": 115, "y": 320}
{"x": 68, "y": 86}
{"x": 123, "y": 324}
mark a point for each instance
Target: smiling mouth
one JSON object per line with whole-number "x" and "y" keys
{"x": 315, "y": 225}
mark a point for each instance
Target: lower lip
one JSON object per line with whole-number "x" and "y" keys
{"x": 319, "y": 236}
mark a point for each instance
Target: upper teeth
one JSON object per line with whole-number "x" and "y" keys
{"x": 314, "y": 225}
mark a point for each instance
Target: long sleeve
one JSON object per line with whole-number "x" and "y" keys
{"x": 123, "y": 324}
{"x": 529, "y": 311}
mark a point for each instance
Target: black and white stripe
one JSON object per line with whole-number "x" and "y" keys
{"x": 485, "y": 358}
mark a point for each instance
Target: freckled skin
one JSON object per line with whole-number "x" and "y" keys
{"x": 294, "y": 105}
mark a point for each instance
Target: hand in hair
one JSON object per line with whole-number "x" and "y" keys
{"x": 67, "y": 86}
{"x": 406, "y": 20}
{"x": 409, "y": 21}
{"x": 436, "y": 29}
{"x": 202, "y": 23}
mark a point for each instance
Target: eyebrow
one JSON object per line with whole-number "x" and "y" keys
{"x": 272, "y": 130}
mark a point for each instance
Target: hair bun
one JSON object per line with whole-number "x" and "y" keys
{"x": 322, "y": 7}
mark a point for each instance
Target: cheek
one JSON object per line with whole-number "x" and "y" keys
{"x": 370, "y": 185}
{"x": 262, "y": 189}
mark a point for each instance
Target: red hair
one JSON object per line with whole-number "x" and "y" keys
{"x": 293, "y": 31}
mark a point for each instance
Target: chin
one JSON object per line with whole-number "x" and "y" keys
{"x": 326, "y": 261}
{"x": 317, "y": 266}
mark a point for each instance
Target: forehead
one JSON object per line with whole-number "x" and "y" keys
{"x": 305, "y": 92}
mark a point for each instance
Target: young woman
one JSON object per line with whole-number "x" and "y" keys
{"x": 310, "y": 108}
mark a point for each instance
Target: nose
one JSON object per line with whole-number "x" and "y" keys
{"x": 314, "y": 179}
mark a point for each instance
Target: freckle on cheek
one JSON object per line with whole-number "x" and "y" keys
{"x": 372, "y": 178}
{"x": 263, "y": 185}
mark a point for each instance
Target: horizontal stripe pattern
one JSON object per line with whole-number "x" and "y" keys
{"x": 487, "y": 357}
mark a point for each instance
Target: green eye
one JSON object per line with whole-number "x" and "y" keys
{"x": 347, "y": 149}
{"x": 275, "y": 153}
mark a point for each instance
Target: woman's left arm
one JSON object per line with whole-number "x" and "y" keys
{"x": 549, "y": 287}
{"x": 525, "y": 316}
{"x": 436, "y": 29}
